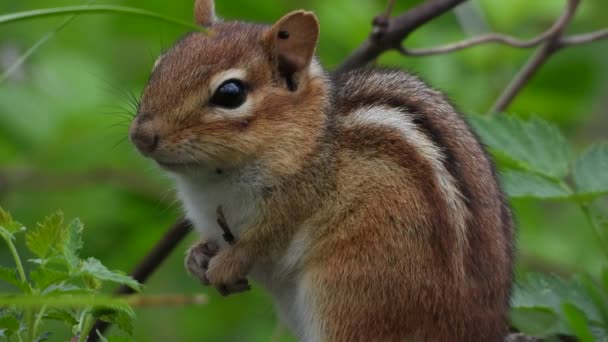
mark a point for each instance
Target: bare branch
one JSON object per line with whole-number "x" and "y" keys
{"x": 398, "y": 29}
{"x": 558, "y": 26}
{"x": 551, "y": 46}
{"x": 585, "y": 38}
{"x": 150, "y": 263}
{"x": 523, "y": 76}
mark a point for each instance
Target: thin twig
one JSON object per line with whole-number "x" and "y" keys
{"x": 558, "y": 26}
{"x": 494, "y": 38}
{"x": 149, "y": 264}
{"x": 221, "y": 221}
{"x": 523, "y": 76}
{"x": 540, "y": 57}
{"x": 166, "y": 300}
{"x": 585, "y": 38}
{"x": 398, "y": 29}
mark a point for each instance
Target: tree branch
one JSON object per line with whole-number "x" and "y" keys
{"x": 552, "y": 44}
{"x": 149, "y": 264}
{"x": 557, "y": 27}
{"x": 389, "y": 33}
{"x": 585, "y": 38}
{"x": 397, "y": 29}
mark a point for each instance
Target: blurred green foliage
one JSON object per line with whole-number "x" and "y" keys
{"x": 64, "y": 117}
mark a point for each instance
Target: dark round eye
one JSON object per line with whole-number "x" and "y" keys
{"x": 230, "y": 94}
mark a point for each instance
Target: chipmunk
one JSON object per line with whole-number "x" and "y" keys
{"x": 362, "y": 201}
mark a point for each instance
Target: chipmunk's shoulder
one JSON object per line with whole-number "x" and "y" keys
{"x": 383, "y": 87}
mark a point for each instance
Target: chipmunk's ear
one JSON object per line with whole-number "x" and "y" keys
{"x": 204, "y": 12}
{"x": 292, "y": 41}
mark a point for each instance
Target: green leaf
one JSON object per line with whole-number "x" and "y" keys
{"x": 7, "y": 222}
{"x": 590, "y": 172}
{"x": 597, "y": 295}
{"x": 73, "y": 244}
{"x": 94, "y": 268}
{"x": 44, "y": 277}
{"x": 536, "y": 321}
{"x": 9, "y": 275}
{"x": 535, "y": 291}
{"x": 67, "y": 316}
{"x": 9, "y": 324}
{"x": 47, "y": 236}
{"x": 520, "y": 184}
{"x": 8, "y": 226}
{"x": 121, "y": 316}
{"x": 65, "y": 288}
{"x": 535, "y": 145}
{"x": 578, "y": 322}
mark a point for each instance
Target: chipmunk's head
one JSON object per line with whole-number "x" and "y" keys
{"x": 234, "y": 93}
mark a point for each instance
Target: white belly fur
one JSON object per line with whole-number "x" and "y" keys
{"x": 201, "y": 198}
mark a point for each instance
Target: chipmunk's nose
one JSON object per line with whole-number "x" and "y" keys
{"x": 143, "y": 136}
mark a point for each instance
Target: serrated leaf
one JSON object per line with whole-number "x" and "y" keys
{"x": 94, "y": 268}
{"x": 519, "y": 184}
{"x": 590, "y": 172}
{"x": 533, "y": 145}
{"x": 64, "y": 288}
{"x": 73, "y": 243}
{"x": 66, "y": 316}
{"x": 47, "y": 236}
{"x": 536, "y": 321}
{"x": 598, "y": 296}
{"x": 9, "y": 275}
{"x": 44, "y": 277}
{"x": 8, "y": 325}
{"x": 9, "y": 225}
{"x": 122, "y": 317}
{"x": 550, "y": 292}
{"x": 578, "y": 322}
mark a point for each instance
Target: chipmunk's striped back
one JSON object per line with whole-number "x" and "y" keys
{"x": 388, "y": 113}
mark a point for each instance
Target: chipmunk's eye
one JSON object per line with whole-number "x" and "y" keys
{"x": 230, "y": 94}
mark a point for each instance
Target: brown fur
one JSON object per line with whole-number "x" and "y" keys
{"x": 382, "y": 258}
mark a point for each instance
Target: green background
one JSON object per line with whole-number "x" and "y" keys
{"x": 64, "y": 116}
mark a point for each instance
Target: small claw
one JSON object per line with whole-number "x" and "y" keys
{"x": 240, "y": 285}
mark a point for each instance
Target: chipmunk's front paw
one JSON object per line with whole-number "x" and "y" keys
{"x": 197, "y": 259}
{"x": 227, "y": 271}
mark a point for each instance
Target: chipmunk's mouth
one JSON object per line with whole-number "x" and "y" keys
{"x": 176, "y": 166}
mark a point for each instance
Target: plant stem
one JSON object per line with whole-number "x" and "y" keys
{"x": 17, "y": 259}
{"x": 30, "y": 321}
{"x": 38, "y": 319}
{"x": 91, "y": 9}
{"x": 34, "y": 47}
{"x": 596, "y": 229}
{"x": 86, "y": 326}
